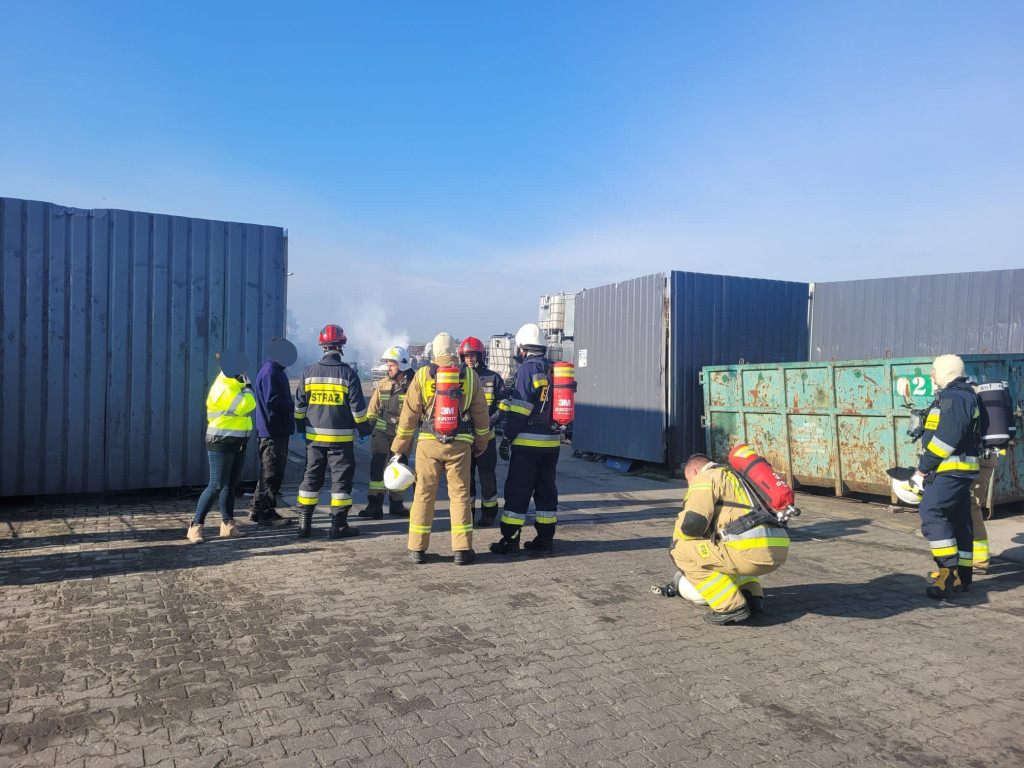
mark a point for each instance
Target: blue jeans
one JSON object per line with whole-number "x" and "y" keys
{"x": 224, "y": 471}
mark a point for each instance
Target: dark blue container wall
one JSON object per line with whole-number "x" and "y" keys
{"x": 963, "y": 313}
{"x": 719, "y": 320}
{"x": 110, "y": 324}
{"x": 620, "y": 369}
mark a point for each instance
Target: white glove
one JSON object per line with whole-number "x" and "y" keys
{"x": 915, "y": 485}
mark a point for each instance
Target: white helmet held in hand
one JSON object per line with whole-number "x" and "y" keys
{"x": 399, "y": 355}
{"x": 398, "y": 476}
{"x": 530, "y": 336}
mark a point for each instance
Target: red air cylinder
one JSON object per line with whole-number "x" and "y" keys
{"x": 563, "y": 386}
{"x": 446, "y": 400}
{"x": 773, "y": 489}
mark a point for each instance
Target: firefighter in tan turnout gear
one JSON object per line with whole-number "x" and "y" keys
{"x": 448, "y": 408}
{"x": 715, "y": 548}
{"x": 383, "y": 411}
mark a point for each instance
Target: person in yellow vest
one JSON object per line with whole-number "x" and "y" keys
{"x": 438, "y": 453}
{"x": 719, "y": 548}
{"x": 229, "y": 424}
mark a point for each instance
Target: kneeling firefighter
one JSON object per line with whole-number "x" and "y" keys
{"x": 948, "y": 465}
{"x": 723, "y": 541}
{"x": 474, "y": 355}
{"x": 383, "y": 411}
{"x": 448, "y": 408}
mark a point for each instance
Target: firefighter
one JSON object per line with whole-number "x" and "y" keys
{"x": 474, "y": 355}
{"x": 438, "y": 451}
{"x": 948, "y": 466}
{"x": 718, "y": 549}
{"x": 534, "y": 440}
{"x": 383, "y": 412}
{"x": 329, "y": 411}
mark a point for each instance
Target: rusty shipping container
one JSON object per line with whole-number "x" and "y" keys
{"x": 109, "y": 328}
{"x": 840, "y": 425}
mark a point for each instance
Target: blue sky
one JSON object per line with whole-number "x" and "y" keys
{"x": 449, "y": 162}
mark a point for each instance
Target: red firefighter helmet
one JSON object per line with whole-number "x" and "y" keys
{"x": 473, "y": 344}
{"x": 332, "y": 336}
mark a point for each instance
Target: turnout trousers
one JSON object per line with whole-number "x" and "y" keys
{"x": 719, "y": 572}
{"x": 979, "y": 500}
{"x": 485, "y": 464}
{"x": 340, "y": 457}
{"x": 946, "y": 520}
{"x": 531, "y": 475}
{"x": 273, "y": 462}
{"x": 433, "y": 459}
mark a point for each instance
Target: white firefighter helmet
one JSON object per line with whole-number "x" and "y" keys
{"x": 399, "y": 355}
{"x": 686, "y": 590}
{"x": 398, "y": 476}
{"x": 904, "y": 493}
{"x": 900, "y": 476}
{"x": 530, "y": 336}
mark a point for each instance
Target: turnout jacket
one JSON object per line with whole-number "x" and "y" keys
{"x": 229, "y": 404}
{"x": 714, "y": 499}
{"x": 418, "y": 412}
{"x": 952, "y": 438}
{"x": 494, "y": 391}
{"x": 528, "y": 421}
{"x": 385, "y": 408}
{"x": 329, "y": 403}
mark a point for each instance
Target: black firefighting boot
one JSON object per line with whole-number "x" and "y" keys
{"x": 305, "y": 523}
{"x": 544, "y": 544}
{"x": 340, "y": 529}
{"x": 754, "y": 602}
{"x": 256, "y": 515}
{"x": 946, "y": 580}
{"x": 727, "y": 617}
{"x": 271, "y": 518}
{"x": 464, "y": 556}
{"x": 487, "y": 515}
{"x": 397, "y": 508}
{"x": 374, "y": 507}
{"x": 966, "y": 574}
{"x": 508, "y": 544}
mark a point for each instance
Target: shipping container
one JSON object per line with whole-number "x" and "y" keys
{"x": 109, "y": 328}
{"x": 973, "y": 312}
{"x": 640, "y": 345}
{"x": 840, "y": 425}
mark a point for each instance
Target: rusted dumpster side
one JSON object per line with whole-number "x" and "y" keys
{"x": 840, "y": 424}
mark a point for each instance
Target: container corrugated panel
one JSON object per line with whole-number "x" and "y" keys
{"x": 969, "y": 312}
{"x": 110, "y": 324}
{"x": 720, "y": 319}
{"x": 620, "y": 369}
{"x": 841, "y": 424}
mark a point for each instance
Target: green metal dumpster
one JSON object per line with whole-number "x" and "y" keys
{"x": 841, "y": 424}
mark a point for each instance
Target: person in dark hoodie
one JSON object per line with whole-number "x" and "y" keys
{"x": 275, "y": 422}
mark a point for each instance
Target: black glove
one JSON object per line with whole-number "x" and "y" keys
{"x": 504, "y": 448}
{"x": 244, "y": 380}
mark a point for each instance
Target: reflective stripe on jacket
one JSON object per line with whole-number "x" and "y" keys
{"x": 329, "y": 403}
{"x": 951, "y": 440}
{"x": 228, "y": 405}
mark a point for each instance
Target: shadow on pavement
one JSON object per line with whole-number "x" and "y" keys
{"x": 828, "y": 529}
{"x": 88, "y": 564}
{"x": 880, "y": 598}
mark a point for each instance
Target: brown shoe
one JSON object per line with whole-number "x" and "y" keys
{"x": 230, "y": 530}
{"x": 195, "y": 534}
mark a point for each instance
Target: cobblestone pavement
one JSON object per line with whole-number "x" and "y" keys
{"x": 125, "y": 645}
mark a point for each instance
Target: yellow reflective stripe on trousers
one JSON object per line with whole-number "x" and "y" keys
{"x": 717, "y": 589}
{"x": 462, "y": 528}
{"x": 542, "y": 517}
{"x": 418, "y": 528}
{"x": 513, "y": 518}
{"x": 943, "y": 547}
{"x": 307, "y": 500}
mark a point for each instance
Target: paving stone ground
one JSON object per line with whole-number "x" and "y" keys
{"x": 122, "y": 644}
